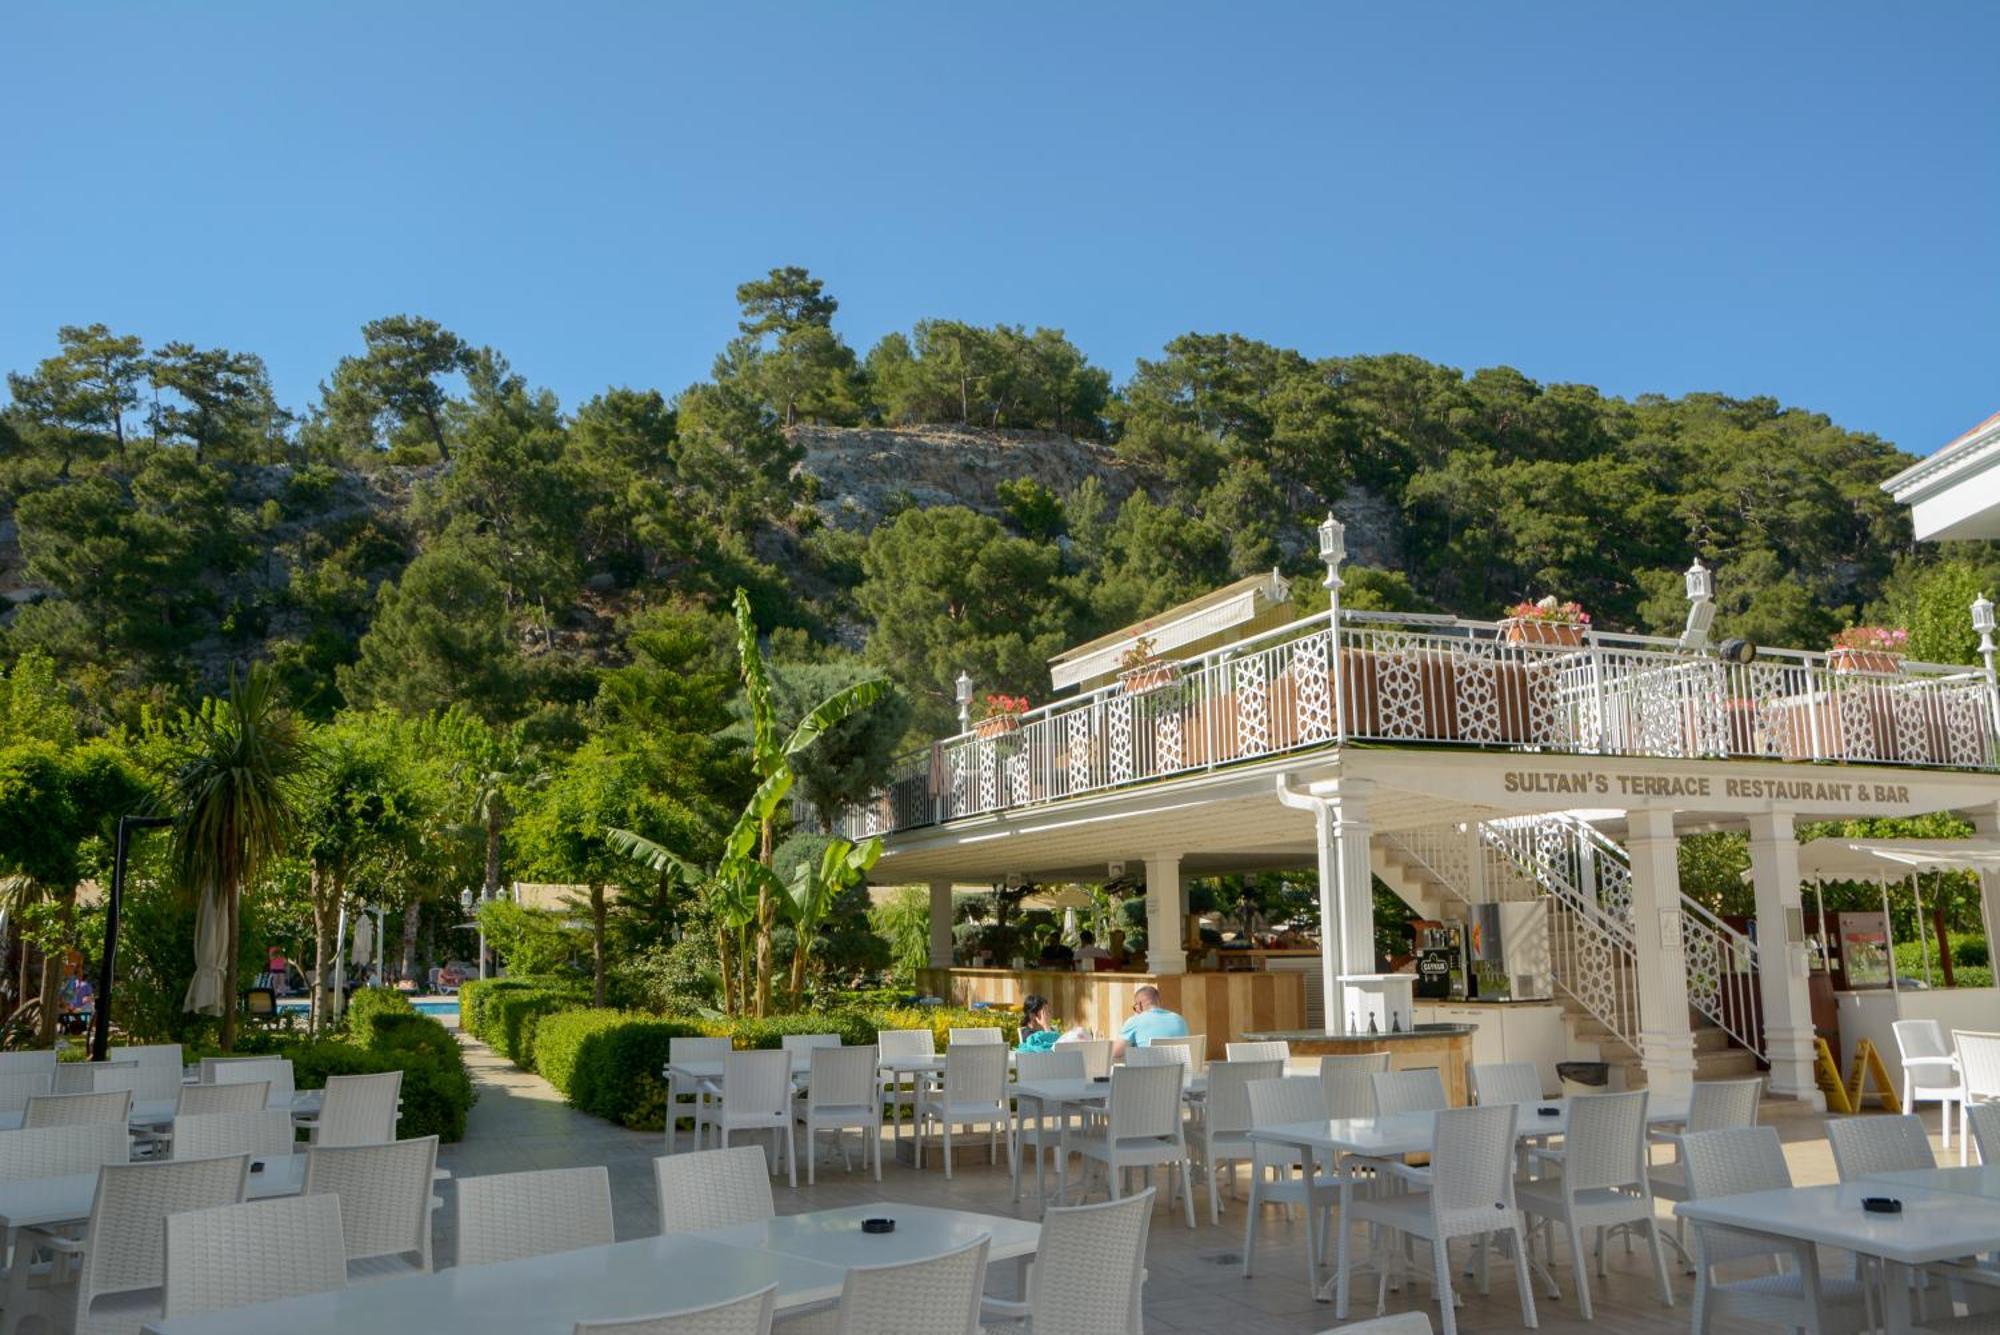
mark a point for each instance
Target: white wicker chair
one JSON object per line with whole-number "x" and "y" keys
{"x": 116, "y": 1284}
{"x": 211, "y": 1100}
{"x": 900, "y": 1087}
{"x": 700, "y": 1091}
{"x": 1602, "y": 1185}
{"x": 1505, "y": 1082}
{"x": 1161, "y": 1053}
{"x": 1096, "y": 1054}
{"x": 797, "y": 1043}
{"x": 939, "y": 1296}
{"x": 84, "y": 1077}
{"x": 1418, "y": 1090}
{"x": 58, "y": 1151}
{"x": 385, "y": 1202}
{"x": 1982, "y": 1124}
{"x": 748, "y": 1315}
{"x": 840, "y": 1094}
{"x": 1088, "y": 1272}
{"x": 1979, "y": 1063}
{"x": 756, "y": 1096}
{"x": 1267, "y": 1050}
{"x": 276, "y": 1072}
{"x": 1750, "y": 1158}
{"x": 17, "y": 1087}
{"x": 1715, "y": 1105}
{"x": 1141, "y": 1128}
{"x": 1057, "y": 1063}
{"x": 1471, "y": 1194}
{"x": 1196, "y": 1046}
{"x": 1277, "y": 1175}
{"x": 979, "y": 1033}
{"x": 1865, "y": 1145}
{"x": 113, "y": 1105}
{"x": 358, "y": 1110}
{"x": 1930, "y": 1070}
{"x": 151, "y": 1054}
{"x": 972, "y": 1093}
{"x": 506, "y": 1216}
{"x": 713, "y": 1189}
{"x": 1223, "y": 1127}
{"x": 29, "y": 1059}
{"x": 1348, "y": 1091}
{"x": 148, "y": 1081}
{"x": 264, "y": 1134}
{"x": 257, "y": 1252}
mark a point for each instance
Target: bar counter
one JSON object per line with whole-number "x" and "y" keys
{"x": 1445, "y": 1046}
{"x": 1224, "y": 1006}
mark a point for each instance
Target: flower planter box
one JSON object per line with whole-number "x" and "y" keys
{"x": 1149, "y": 678}
{"x": 1534, "y": 630}
{"x": 1000, "y": 725}
{"x": 1844, "y": 659}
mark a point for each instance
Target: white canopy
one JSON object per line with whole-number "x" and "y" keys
{"x": 1869, "y": 859}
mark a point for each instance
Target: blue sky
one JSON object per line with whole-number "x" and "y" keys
{"x": 1800, "y": 200}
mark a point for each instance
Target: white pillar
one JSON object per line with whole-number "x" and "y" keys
{"x": 1986, "y": 825}
{"x": 1165, "y": 952}
{"x": 941, "y": 910}
{"x": 1351, "y": 832}
{"x": 1666, "y": 1038}
{"x": 1781, "y": 961}
{"x": 1332, "y": 922}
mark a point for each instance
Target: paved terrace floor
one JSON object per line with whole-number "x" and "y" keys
{"x": 1195, "y": 1282}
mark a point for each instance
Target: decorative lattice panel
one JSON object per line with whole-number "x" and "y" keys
{"x": 989, "y": 776}
{"x": 1119, "y": 714}
{"x": 1078, "y": 746}
{"x": 1399, "y": 686}
{"x": 1857, "y": 722}
{"x": 1252, "y": 680}
{"x": 1169, "y": 742}
{"x": 1018, "y": 791}
{"x": 1476, "y": 688}
{"x": 1309, "y": 670}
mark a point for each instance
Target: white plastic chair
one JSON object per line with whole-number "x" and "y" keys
{"x": 58, "y": 1151}
{"x": 41, "y": 1060}
{"x": 748, "y": 1315}
{"x": 1750, "y": 1158}
{"x": 1349, "y": 1091}
{"x": 1505, "y": 1082}
{"x": 1223, "y": 1126}
{"x": 1602, "y": 1184}
{"x": 213, "y": 1100}
{"x": 1866, "y": 1145}
{"x": 1162, "y": 1053}
{"x": 1930, "y": 1070}
{"x": 113, "y": 1105}
{"x": 1196, "y": 1046}
{"x": 900, "y": 1087}
{"x": 1714, "y": 1105}
{"x": 506, "y": 1216}
{"x": 151, "y": 1054}
{"x": 699, "y": 1091}
{"x": 1417, "y": 1090}
{"x": 116, "y": 1284}
{"x": 797, "y": 1043}
{"x": 1979, "y": 1064}
{"x": 263, "y": 1134}
{"x": 357, "y": 1110}
{"x": 84, "y": 1077}
{"x": 756, "y": 1096}
{"x": 710, "y": 1189}
{"x": 1265, "y": 1050}
{"x": 1096, "y": 1053}
{"x": 1087, "y": 1275}
{"x": 276, "y": 1072}
{"x": 979, "y": 1033}
{"x": 1982, "y": 1122}
{"x": 1471, "y": 1194}
{"x": 17, "y": 1087}
{"x": 1278, "y": 1175}
{"x": 840, "y": 1095}
{"x": 257, "y": 1252}
{"x": 938, "y": 1296}
{"x": 972, "y": 1093}
{"x": 385, "y": 1203}
{"x": 1141, "y": 1128}
{"x": 1056, "y": 1064}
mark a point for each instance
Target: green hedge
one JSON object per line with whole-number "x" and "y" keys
{"x": 607, "y": 1063}
{"x": 503, "y": 1013}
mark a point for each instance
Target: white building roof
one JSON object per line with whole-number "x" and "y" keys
{"x": 1955, "y": 494}
{"x": 1197, "y": 624}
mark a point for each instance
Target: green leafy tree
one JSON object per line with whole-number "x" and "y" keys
{"x": 78, "y": 398}
{"x": 215, "y": 400}
{"x": 396, "y": 388}
{"x": 440, "y": 635}
{"x": 814, "y": 887}
{"x": 851, "y": 759}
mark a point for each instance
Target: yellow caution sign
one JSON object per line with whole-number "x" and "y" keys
{"x": 1826, "y": 1073}
{"x": 1868, "y": 1066}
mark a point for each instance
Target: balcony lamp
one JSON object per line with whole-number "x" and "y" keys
{"x": 962, "y": 692}
{"x": 1332, "y": 548}
{"x": 1700, "y": 582}
{"x": 1982, "y": 615}
{"x": 1701, "y": 608}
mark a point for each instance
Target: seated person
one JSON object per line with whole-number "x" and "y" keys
{"x": 1057, "y": 955}
{"x": 1150, "y": 1020}
{"x": 1038, "y": 1025}
{"x": 1088, "y": 949}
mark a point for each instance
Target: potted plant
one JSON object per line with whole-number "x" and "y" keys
{"x": 1869, "y": 649}
{"x": 1546, "y": 622}
{"x": 999, "y": 715}
{"x": 1141, "y": 668}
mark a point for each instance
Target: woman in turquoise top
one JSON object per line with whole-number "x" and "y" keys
{"x": 1038, "y": 1027}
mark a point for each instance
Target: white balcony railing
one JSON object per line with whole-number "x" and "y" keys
{"x": 1422, "y": 680}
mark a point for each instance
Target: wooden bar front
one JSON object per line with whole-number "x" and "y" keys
{"x": 1224, "y": 1006}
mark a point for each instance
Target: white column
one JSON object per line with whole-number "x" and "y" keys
{"x": 1165, "y": 952}
{"x": 1986, "y": 825}
{"x": 941, "y": 910}
{"x": 1666, "y": 1038}
{"x": 1781, "y": 961}
{"x": 1332, "y": 922}
{"x": 1351, "y": 833}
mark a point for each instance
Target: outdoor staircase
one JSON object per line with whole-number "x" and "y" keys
{"x": 1440, "y": 872}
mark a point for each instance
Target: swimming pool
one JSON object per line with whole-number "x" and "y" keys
{"x": 438, "y": 1006}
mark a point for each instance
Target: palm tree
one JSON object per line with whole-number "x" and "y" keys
{"x": 233, "y": 803}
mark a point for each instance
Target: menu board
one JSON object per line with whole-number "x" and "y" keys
{"x": 1864, "y": 949}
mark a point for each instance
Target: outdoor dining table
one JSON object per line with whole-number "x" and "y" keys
{"x": 1065, "y": 1092}
{"x": 1349, "y": 1140}
{"x": 807, "y": 1256}
{"x": 160, "y": 1112}
{"x": 1933, "y": 1226}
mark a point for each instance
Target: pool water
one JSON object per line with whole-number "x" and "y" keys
{"x": 439, "y": 1006}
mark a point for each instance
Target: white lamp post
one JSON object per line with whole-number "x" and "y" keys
{"x": 1332, "y": 551}
{"x": 1701, "y": 606}
{"x": 1983, "y": 622}
{"x": 963, "y": 687}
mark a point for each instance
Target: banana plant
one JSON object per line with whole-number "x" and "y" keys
{"x": 729, "y": 889}
{"x": 812, "y": 893}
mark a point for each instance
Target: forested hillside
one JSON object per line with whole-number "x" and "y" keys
{"x": 436, "y": 528}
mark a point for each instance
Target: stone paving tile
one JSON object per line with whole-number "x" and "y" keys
{"x": 1195, "y": 1279}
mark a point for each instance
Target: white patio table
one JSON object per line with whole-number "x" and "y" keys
{"x": 1346, "y": 1140}
{"x": 540, "y": 1295}
{"x": 1981, "y": 1180}
{"x": 1933, "y": 1226}
{"x": 160, "y": 1112}
{"x": 835, "y": 1237}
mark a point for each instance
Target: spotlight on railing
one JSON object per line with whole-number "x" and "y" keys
{"x": 1739, "y": 651}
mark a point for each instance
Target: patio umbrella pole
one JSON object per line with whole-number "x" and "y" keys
{"x": 100, "y": 1019}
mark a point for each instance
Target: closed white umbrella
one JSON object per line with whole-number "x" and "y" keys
{"x": 211, "y": 956}
{"x": 364, "y": 941}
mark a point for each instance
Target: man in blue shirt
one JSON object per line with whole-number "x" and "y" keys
{"x": 1150, "y": 1020}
